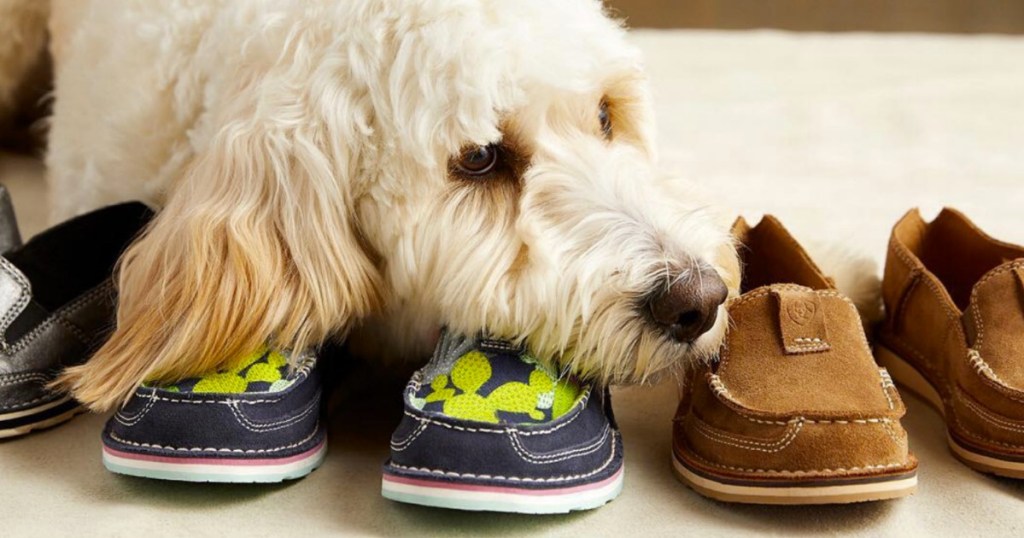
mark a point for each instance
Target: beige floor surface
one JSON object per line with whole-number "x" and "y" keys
{"x": 837, "y": 135}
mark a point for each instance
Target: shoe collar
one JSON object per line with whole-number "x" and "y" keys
{"x": 771, "y": 255}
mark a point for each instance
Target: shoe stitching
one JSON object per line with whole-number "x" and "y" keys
{"x": 733, "y": 304}
{"x": 769, "y": 447}
{"x": 886, "y": 385}
{"x": 982, "y": 368}
{"x": 890, "y": 429}
{"x": 53, "y": 397}
{"x": 316, "y": 431}
{"x": 961, "y": 430}
{"x": 979, "y": 365}
{"x": 15, "y": 379}
{"x": 56, "y": 317}
{"x": 744, "y": 299}
{"x": 808, "y": 472}
{"x": 20, "y": 303}
{"x": 810, "y": 346}
{"x": 526, "y": 433}
{"x": 556, "y": 457}
{"x": 978, "y": 322}
{"x": 974, "y": 355}
{"x": 256, "y": 427}
{"x": 722, "y": 391}
{"x": 440, "y": 472}
{"x": 131, "y": 420}
{"x": 73, "y": 329}
{"x": 988, "y": 416}
{"x": 399, "y": 446}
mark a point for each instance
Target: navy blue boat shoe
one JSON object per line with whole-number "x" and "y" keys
{"x": 56, "y": 307}
{"x": 486, "y": 427}
{"x": 258, "y": 422}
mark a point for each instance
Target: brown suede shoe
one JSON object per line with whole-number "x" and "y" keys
{"x": 795, "y": 411}
{"x": 954, "y": 334}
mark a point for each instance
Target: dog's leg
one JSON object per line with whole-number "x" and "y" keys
{"x": 257, "y": 244}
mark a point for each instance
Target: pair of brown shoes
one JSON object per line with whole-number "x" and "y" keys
{"x": 797, "y": 412}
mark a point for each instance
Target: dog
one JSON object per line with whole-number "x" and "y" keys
{"x": 375, "y": 170}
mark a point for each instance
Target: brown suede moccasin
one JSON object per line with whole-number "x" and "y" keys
{"x": 795, "y": 411}
{"x": 954, "y": 333}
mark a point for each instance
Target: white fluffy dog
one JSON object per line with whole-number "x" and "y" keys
{"x": 378, "y": 169}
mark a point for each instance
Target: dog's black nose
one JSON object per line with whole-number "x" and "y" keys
{"x": 689, "y": 307}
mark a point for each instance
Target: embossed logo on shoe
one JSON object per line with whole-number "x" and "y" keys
{"x": 802, "y": 311}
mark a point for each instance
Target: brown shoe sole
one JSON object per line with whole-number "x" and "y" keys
{"x": 910, "y": 378}
{"x": 826, "y": 490}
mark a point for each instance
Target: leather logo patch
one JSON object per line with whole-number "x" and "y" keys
{"x": 801, "y": 311}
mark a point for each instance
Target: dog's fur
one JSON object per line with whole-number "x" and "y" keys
{"x": 302, "y": 153}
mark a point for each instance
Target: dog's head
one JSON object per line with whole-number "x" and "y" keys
{"x": 486, "y": 165}
{"x": 516, "y": 192}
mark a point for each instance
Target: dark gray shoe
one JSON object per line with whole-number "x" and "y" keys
{"x": 56, "y": 307}
{"x": 488, "y": 428}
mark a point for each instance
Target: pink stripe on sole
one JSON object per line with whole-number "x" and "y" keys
{"x": 438, "y": 484}
{"x": 241, "y": 462}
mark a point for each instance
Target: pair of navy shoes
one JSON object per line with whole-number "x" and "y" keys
{"x": 485, "y": 426}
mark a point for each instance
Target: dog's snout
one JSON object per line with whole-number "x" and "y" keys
{"x": 689, "y": 307}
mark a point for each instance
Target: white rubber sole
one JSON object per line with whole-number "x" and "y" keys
{"x": 456, "y": 496}
{"x": 906, "y": 375}
{"x": 49, "y": 421}
{"x": 880, "y": 490}
{"x": 242, "y": 471}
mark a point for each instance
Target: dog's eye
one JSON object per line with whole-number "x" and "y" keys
{"x": 605, "y": 118}
{"x": 478, "y": 161}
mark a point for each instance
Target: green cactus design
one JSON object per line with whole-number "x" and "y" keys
{"x": 234, "y": 381}
{"x": 472, "y": 370}
{"x": 261, "y": 366}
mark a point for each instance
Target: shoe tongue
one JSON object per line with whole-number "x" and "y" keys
{"x": 802, "y": 324}
{"x": 488, "y": 380}
{"x": 794, "y": 349}
{"x": 994, "y": 321}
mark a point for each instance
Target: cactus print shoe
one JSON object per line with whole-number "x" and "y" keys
{"x": 487, "y": 428}
{"x": 259, "y": 422}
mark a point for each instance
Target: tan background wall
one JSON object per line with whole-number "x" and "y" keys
{"x": 945, "y": 16}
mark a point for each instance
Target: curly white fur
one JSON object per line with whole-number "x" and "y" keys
{"x": 301, "y": 151}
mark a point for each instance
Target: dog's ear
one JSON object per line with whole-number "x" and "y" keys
{"x": 256, "y": 246}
